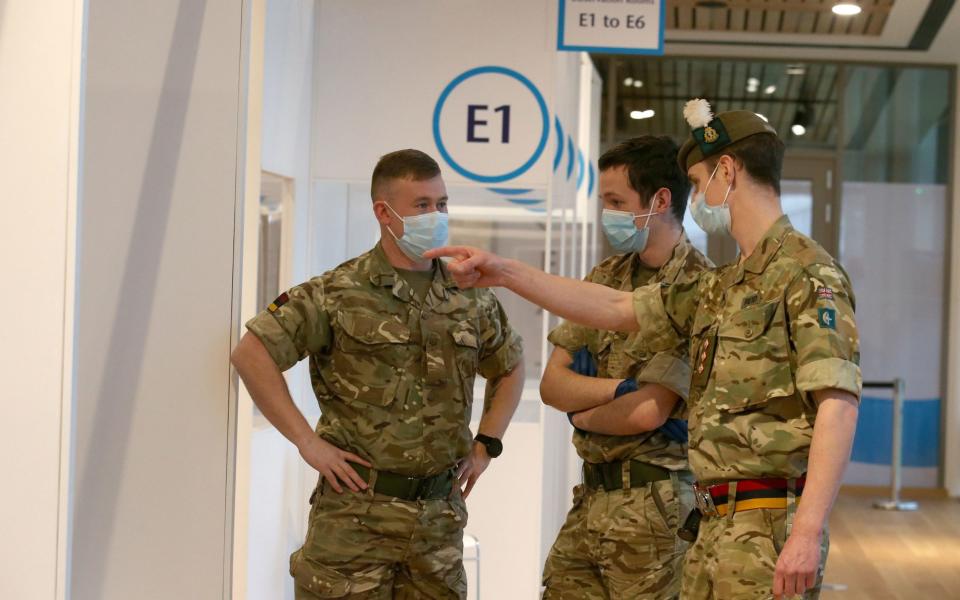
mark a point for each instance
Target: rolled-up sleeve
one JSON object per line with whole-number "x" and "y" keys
{"x": 501, "y": 346}
{"x": 294, "y": 325}
{"x": 823, "y": 331}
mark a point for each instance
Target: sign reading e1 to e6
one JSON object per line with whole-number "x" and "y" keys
{"x": 491, "y": 124}
{"x": 611, "y": 26}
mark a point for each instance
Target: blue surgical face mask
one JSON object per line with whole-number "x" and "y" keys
{"x": 712, "y": 219}
{"x": 421, "y": 233}
{"x": 621, "y": 230}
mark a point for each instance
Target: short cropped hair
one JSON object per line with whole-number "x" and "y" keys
{"x": 408, "y": 164}
{"x": 760, "y": 154}
{"x": 651, "y": 162}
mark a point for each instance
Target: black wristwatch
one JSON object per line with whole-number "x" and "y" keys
{"x": 493, "y": 445}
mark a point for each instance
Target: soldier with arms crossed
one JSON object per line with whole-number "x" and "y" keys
{"x": 619, "y": 538}
{"x": 394, "y": 346}
{"x": 776, "y": 379}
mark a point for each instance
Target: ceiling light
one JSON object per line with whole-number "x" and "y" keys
{"x": 753, "y": 82}
{"x": 642, "y": 114}
{"x": 798, "y": 129}
{"x": 765, "y": 119}
{"x": 846, "y": 9}
{"x": 637, "y": 83}
{"x": 769, "y": 89}
{"x": 796, "y": 70}
{"x": 628, "y": 81}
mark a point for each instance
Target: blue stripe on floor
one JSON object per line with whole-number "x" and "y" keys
{"x": 921, "y": 432}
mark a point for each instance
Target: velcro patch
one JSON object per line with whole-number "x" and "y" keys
{"x": 824, "y": 293}
{"x": 827, "y": 317}
{"x": 280, "y": 301}
{"x": 750, "y": 300}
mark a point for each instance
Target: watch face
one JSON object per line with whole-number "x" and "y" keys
{"x": 494, "y": 448}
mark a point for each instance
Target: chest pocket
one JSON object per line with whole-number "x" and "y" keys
{"x": 753, "y": 358}
{"x": 370, "y": 356}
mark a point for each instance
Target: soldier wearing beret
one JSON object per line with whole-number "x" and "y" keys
{"x": 776, "y": 380}
{"x": 394, "y": 346}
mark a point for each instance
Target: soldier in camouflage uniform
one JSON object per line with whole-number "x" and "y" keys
{"x": 394, "y": 346}
{"x": 776, "y": 379}
{"x": 619, "y": 538}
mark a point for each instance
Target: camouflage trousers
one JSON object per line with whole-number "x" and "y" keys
{"x": 734, "y": 557}
{"x": 620, "y": 544}
{"x": 369, "y": 546}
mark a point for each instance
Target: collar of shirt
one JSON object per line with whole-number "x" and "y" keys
{"x": 671, "y": 269}
{"x": 383, "y": 274}
{"x": 764, "y": 252}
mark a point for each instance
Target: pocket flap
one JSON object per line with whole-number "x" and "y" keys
{"x": 749, "y": 324}
{"x": 465, "y": 335}
{"x": 369, "y": 328}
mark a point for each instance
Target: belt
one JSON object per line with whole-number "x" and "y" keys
{"x": 609, "y": 476}
{"x": 714, "y": 500}
{"x": 409, "y": 488}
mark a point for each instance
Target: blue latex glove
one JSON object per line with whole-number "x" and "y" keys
{"x": 675, "y": 429}
{"x": 626, "y": 386}
{"x": 584, "y": 363}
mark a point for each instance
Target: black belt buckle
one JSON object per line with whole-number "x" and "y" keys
{"x": 411, "y": 488}
{"x": 428, "y": 487}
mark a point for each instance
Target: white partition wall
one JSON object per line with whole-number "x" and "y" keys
{"x": 155, "y": 299}
{"x": 41, "y": 77}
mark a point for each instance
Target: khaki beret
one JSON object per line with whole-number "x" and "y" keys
{"x": 724, "y": 129}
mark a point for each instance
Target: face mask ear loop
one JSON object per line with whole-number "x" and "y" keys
{"x": 729, "y": 187}
{"x": 709, "y": 180}
{"x": 725, "y": 196}
{"x": 649, "y": 215}
{"x": 387, "y": 204}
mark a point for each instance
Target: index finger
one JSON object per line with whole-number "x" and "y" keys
{"x": 458, "y": 252}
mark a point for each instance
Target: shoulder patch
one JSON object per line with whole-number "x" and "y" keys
{"x": 827, "y": 317}
{"x": 824, "y": 293}
{"x": 280, "y": 301}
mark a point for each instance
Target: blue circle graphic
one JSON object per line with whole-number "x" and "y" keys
{"x": 439, "y": 139}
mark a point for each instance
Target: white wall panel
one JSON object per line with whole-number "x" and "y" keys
{"x": 40, "y": 75}
{"x": 155, "y": 299}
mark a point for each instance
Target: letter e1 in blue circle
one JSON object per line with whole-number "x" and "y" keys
{"x": 438, "y": 109}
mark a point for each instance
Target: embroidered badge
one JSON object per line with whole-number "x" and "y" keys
{"x": 827, "y": 317}
{"x": 824, "y": 293}
{"x": 750, "y": 300}
{"x": 280, "y": 301}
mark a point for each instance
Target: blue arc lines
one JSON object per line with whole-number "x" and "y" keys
{"x": 576, "y": 162}
{"x": 575, "y": 156}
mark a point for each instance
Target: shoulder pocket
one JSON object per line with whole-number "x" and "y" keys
{"x": 753, "y": 358}
{"x": 466, "y": 354}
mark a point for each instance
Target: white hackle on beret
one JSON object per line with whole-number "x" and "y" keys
{"x": 697, "y": 113}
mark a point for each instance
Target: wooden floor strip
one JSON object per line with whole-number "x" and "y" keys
{"x": 878, "y": 555}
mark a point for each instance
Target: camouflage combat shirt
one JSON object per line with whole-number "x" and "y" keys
{"x": 764, "y": 333}
{"x": 393, "y": 375}
{"x": 620, "y": 356}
